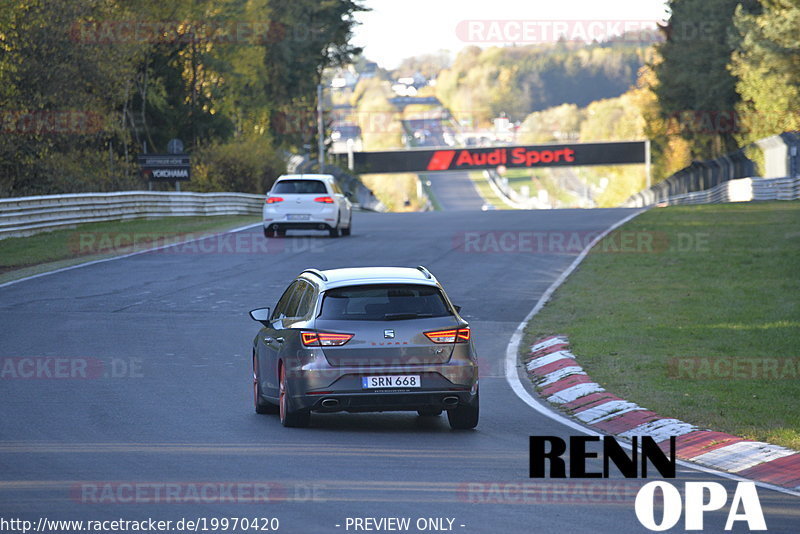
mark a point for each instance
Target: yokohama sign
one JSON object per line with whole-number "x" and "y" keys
{"x": 165, "y": 167}
{"x": 575, "y": 154}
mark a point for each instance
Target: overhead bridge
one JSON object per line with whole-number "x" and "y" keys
{"x": 518, "y": 156}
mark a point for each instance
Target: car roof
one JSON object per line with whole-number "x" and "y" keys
{"x": 305, "y": 177}
{"x": 370, "y": 275}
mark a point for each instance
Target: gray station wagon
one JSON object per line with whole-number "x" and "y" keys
{"x": 365, "y": 339}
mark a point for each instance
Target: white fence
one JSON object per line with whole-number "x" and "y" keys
{"x": 741, "y": 190}
{"x": 30, "y": 215}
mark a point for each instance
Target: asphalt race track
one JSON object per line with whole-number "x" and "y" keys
{"x": 178, "y": 408}
{"x": 454, "y": 191}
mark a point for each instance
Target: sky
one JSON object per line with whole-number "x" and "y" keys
{"x": 396, "y": 29}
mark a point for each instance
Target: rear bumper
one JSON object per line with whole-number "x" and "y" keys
{"x": 311, "y": 386}
{"x": 383, "y": 401}
{"x": 326, "y": 214}
{"x": 298, "y": 225}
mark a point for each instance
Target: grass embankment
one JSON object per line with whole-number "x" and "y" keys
{"x": 486, "y": 191}
{"x": 24, "y": 256}
{"x": 703, "y": 325}
{"x": 398, "y": 192}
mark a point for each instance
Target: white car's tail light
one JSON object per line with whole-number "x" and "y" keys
{"x": 273, "y": 200}
{"x": 324, "y": 339}
{"x": 324, "y": 200}
{"x": 453, "y": 335}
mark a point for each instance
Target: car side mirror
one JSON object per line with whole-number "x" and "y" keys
{"x": 261, "y": 315}
{"x": 458, "y": 308}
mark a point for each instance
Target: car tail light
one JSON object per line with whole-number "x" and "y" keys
{"x": 324, "y": 200}
{"x": 453, "y": 335}
{"x": 273, "y": 200}
{"x": 324, "y": 339}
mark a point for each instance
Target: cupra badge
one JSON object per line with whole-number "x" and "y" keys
{"x": 388, "y": 334}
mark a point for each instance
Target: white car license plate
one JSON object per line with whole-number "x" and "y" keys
{"x": 298, "y": 217}
{"x": 390, "y": 381}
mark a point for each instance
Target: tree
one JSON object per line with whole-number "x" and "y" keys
{"x": 694, "y": 84}
{"x": 214, "y": 73}
{"x": 315, "y": 34}
{"x": 60, "y": 100}
{"x": 767, "y": 65}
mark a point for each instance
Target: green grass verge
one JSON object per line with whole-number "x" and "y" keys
{"x": 702, "y": 325}
{"x": 25, "y": 256}
{"x": 486, "y": 191}
{"x": 429, "y": 193}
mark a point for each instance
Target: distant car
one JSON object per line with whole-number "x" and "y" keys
{"x": 307, "y": 202}
{"x": 365, "y": 339}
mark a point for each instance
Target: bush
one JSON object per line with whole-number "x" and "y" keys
{"x": 243, "y": 165}
{"x": 80, "y": 170}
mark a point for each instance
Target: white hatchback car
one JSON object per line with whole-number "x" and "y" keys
{"x": 307, "y": 202}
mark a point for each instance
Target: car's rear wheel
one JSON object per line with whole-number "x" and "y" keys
{"x": 268, "y": 232}
{"x": 346, "y": 231}
{"x": 334, "y": 232}
{"x": 430, "y": 412}
{"x": 259, "y": 403}
{"x": 289, "y": 416}
{"x": 464, "y": 416}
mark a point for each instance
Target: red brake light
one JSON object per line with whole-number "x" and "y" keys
{"x": 310, "y": 339}
{"x": 453, "y": 335}
{"x": 324, "y": 339}
{"x": 325, "y": 200}
{"x": 273, "y": 200}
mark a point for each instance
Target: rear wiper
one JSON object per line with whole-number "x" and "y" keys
{"x": 395, "y": 316}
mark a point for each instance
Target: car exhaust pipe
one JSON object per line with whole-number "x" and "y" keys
{"x": 330, "y": 403}
{"x": 322, "y": 227}
{"x": 275, "y": 227}
{"x": 450, "y": 401}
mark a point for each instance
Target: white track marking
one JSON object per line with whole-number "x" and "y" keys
{"x": 95, "y": 262}
{"x": 575, "y": 392}
{"x": 550, "y": 358}
{"x": 660, "y": 429}
{"x": 742, "y": 455}
{"x": 607, "y": 410}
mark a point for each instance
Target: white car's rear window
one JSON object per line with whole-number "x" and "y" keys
{"x": 299, "y": 187}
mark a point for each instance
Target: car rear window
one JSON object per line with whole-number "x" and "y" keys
{"x": 383, "y": 303}
{"x": 299, "y": 187}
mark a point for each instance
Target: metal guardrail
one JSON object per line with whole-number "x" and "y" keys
{"x": 741, "y": 190}
{"x": 30, "y": 215}
{"x": 781, "y": 157}
{"x": 509, "y": 195}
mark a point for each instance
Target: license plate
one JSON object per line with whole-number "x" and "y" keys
{"x": 298, "y": 217}
{"x": 390, "y": 381}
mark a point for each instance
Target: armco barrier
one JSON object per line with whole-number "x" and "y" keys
{"x": 29, "y": 215}
{"x": 741, "y": 190}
